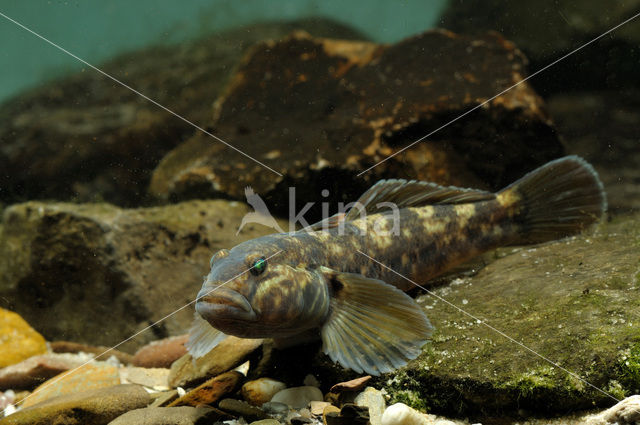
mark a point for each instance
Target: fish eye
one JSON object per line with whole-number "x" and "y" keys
{"x": 259, "y": 266}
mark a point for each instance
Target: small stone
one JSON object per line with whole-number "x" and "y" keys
{"x": 149, "y": 377}
{"x": 401, "y": 414}
{"x": 184, "y": 415}
{"x": 75, "y": 347}
{"x": 243, "y": 409}
{"x": 161, "y": 353}
{"x": 298, "y": 397}
{"x": 18, "y": 340}
{"x": 90, "y": 407}
{"x": 374, "y": 400}
{"x": 85, "y": 378}
{"x": 317, "y": 407}
{"x": 266, "y": 422}
{"x": 275, "y": 408}
{"x": 164, "y": 398}
{"x": 32, "y": 372}
{"x": 261, "y": 390}
{"x": 210, "y": 391}
{"x": 329, "y": 414}
{"x": 353, "y": 385}
{"x": 230, "y": 353}
{"x": 311, "y": 381}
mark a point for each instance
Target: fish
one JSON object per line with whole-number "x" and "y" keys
{"x": 318, "y": 281}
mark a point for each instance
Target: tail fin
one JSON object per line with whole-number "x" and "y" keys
{"x": 559, "y": 199}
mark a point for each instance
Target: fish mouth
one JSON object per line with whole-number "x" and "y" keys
{"x": 223, "y": 303}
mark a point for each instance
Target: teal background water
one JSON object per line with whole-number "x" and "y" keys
{"x": 98, "y": 30}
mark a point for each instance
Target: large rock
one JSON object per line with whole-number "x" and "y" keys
{"x": 320, "y": 111}
{"x": 573, "y": 302}
{"x": 548, "y": 29}
{"x": 86, "y": 137}
{"x": 96, "y": 273}
{"x": 95, "y": 407}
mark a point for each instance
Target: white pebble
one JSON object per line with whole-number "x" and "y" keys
{"x": 298, "y": 397}
{"x": 401, "y": 414}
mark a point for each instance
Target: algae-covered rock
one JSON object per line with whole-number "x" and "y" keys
{"x": 18, "y": 340}
{"x": 573, "y": 303}
{"x": 98, "y": 274}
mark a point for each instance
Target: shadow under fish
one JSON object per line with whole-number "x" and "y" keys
{"x": 286, "y": 286}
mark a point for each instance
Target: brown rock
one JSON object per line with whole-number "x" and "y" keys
{"x": 184, "y": 415}
{"x": 130, "y": 267}
{"x": 325, "y": 110}
{"x": 230, "y": 353}
{"x": 242, "y": 409}
{"x": 161, "y": 353}
{"x": 85, "y": 378}
{"x": 101, "y": 352}
{"x": 86, "y": 138}
{"x": 18, "y": 340}
{"x": 353, "y": 385}
{"x": 94, "y": 407}
{"x": 259, "y": 391}
{"x": 32, "y": 372}
{"x": 211, "y": 391}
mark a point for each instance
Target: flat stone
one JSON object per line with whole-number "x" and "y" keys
{"x": 18, "y": 340}
{"x": 149, "y": 377}
{"x": 372, "y": 399}
{"x": 261, "y": 390}
{"x": 317, "y": 407}
{"x": 32, "y": 372}
{"x": 352, "y": 385}
{"x": 101, "y": 352}
{"x": 142, "y": 264}
{"x": 211, "y": 391}
{"x": 184, "y": 415}
{"x": 298, "y": 397}
{"x": 163, "y": 398}
{"x": 573, "y": 301}
{"x": 230, "y": 353}
{"x": 161, "y": 353}
{"x": 368, "y": 102}
{"x": 85, "y": 378}
{"x": 93, "y": 407}
{"x": 242, "y": 409}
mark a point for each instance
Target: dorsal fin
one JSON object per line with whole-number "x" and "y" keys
{"x": 414, "y": 193}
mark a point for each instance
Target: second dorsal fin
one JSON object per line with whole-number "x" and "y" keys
{"x": 414, "y": 193}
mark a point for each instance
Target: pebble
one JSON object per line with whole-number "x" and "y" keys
{"x": 184, "y": 415}
{"x": 298, "y": 397}
{"x": 86, "y": 378}
{"x": 18, "y": 340}
{"x": 161, "y": 353}
{"x": 162, "y": 399}
{"x": 266, "y": 422}
{"x": 30, "y": 373}
{"x": 243, "y": 409}
{"x": 211, "y": 391}
{"x": 231, "y": 352}
{"x": 75, "y": 347}
{"x": 275, "y": 408}
{"x": 353, "y": 385}
{"x": 401, "y": 414}
{"x": 155, "y": 378}
{"x": 374, "y": 400}
{"x": 90, "y": 407}
{"x": 317, "y": 407}
{"x": 261, "y": 390}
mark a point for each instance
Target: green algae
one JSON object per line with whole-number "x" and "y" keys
{"x": 572, "y": 303}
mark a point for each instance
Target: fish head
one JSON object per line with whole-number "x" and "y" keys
{"x": 256, "y": 291}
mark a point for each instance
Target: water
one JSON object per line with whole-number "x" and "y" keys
{"x": 114, "y": 197}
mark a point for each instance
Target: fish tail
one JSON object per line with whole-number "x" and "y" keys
{"x": 559, "y": 199}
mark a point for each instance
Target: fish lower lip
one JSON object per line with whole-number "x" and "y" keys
{"x": 224, "y": 297}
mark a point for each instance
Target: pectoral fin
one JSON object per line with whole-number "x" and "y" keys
{"x": 202, "y": 337}
{"x": 373, "y": 327}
